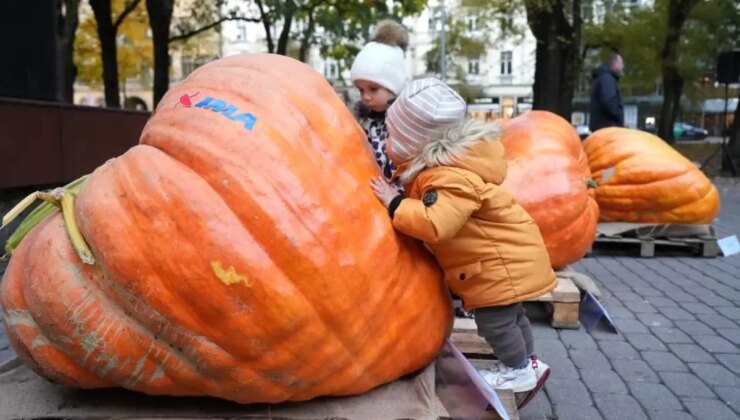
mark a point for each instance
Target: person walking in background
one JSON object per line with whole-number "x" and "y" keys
{"x": 606, "y": 107}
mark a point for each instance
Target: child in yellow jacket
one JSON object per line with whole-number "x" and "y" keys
{"x": 489, "y": 247}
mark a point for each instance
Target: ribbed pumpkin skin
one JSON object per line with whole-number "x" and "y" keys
{"x": 651, "y": 182}
{"x": 255, "y": 266}
{"x": 547, "y": 175}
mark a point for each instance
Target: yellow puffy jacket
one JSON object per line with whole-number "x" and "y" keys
{"x": 490, "y": 249}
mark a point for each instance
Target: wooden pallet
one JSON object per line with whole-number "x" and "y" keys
{"x": 646, "y": 247}
{"x": 479, "y": 353}
{"x": 565, "y": 300}
{"x": 563, "y": 306}
{"x": 564, "y": 303}
{"x": 648, "y": 240}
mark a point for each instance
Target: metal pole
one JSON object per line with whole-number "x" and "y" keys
{"x": 442, "y": 41}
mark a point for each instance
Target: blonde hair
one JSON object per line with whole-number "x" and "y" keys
{"x": 450, "y": 143}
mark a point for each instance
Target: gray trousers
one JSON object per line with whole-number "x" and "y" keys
{"x": 507, "y": 330}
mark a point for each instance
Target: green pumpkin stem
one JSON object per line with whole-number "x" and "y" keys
{"x": 52, "y": 201}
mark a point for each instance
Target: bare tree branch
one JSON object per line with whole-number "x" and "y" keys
{"x": 130, "y": 6}
{"x": 186, "y": 35}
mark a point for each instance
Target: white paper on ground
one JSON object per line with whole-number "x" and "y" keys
{"x": 729, "y": 245}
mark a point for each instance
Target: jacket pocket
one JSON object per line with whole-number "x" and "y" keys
{"x": 463, "y": 272}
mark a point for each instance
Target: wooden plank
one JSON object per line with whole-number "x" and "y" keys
{"x": 565, "y": 291}
{"x": 565, "y": 304}
{"x": 647, "y": 248}
{"x": 653, "y": 230}
{"x": 656, "y": 239}
{"x": 465, "y": 325}
{"x": 710, "y": 248}
{"x": 472, "y": 345}
{"x": 509, "y": 401}
{"x": 702, "y": 246}
{"x": 508, "y": 398}
{"x": 566, "y": 315}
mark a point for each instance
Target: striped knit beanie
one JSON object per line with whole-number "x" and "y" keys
{"x": 423, "y": 108}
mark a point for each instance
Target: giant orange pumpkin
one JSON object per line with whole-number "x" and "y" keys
{"x": 549, "y": 176}
{"x": 239, "y": 253}
{"x": 644, "y": 180}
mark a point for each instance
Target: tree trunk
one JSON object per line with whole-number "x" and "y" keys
{"x": 107, "y": 36}
{"x": 267, "y": 23}
{"x": 160, "y": 17}
{"x": 68, "y": 20}
{"x": 558, "y": 61}
{"x": 678, "y": 11}
{"x": 572, "y": 62}
{"x": 282, "y": 45}
{"x": 733, "y": 148}
{"x": 306, "y": 41}
{"x": 547, "y": 65}
{"x": 672, "y": 88}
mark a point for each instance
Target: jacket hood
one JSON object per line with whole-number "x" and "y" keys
{"x": 471, "y": 145}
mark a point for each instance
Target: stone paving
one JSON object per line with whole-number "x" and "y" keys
{"x": 678, "y": 354}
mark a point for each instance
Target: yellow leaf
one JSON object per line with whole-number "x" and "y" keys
{"x": 229, "y": 276}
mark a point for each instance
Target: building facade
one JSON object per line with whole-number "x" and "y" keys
{"x": 499, "y": 80}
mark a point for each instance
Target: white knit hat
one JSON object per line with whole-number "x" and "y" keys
{"x": 381, "y": 61}
{"x": 423, "y": 108}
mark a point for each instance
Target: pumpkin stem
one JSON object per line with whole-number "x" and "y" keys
{"x": 18, "y": 209}
{"x": 52, "y": 202}
{"x": 73, "y": 230}
{"x": 590, "y": 183}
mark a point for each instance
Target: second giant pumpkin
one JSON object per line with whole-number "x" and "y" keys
{"x": 548, "y": 175}
{"x": 239, "y": 253}
{"x": 644, "y": 180}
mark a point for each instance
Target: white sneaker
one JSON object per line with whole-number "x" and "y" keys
{"x": 504, "y": 377}
{"x": 542, "y": 372}
{"x": 540, "y": 368}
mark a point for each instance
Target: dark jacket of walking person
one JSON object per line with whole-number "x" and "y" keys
{"x": 606, "y": 100}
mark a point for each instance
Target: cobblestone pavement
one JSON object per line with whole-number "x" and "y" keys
{"x": 678, "y": 354}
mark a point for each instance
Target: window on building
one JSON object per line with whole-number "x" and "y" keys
{"x": 241, "y": 34}
{"x": 331, "y": 69}
{"x": 433, "y": 24}
{"x": 506, "y": 59}
{"x": 144, "y": 73}
{"x": 471, "y": 22}
{"x": 190, "y": 63}
{"x": 587, "y": 11}
{"x": 599, "y": 10}
{"x": 474, "y": 65}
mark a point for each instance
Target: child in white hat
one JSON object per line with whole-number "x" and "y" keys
{"x": 491, "y": 251}
{"x": 379, "y": 72}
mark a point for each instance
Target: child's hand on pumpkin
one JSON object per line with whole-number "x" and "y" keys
{"x": 383, "y": 190}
